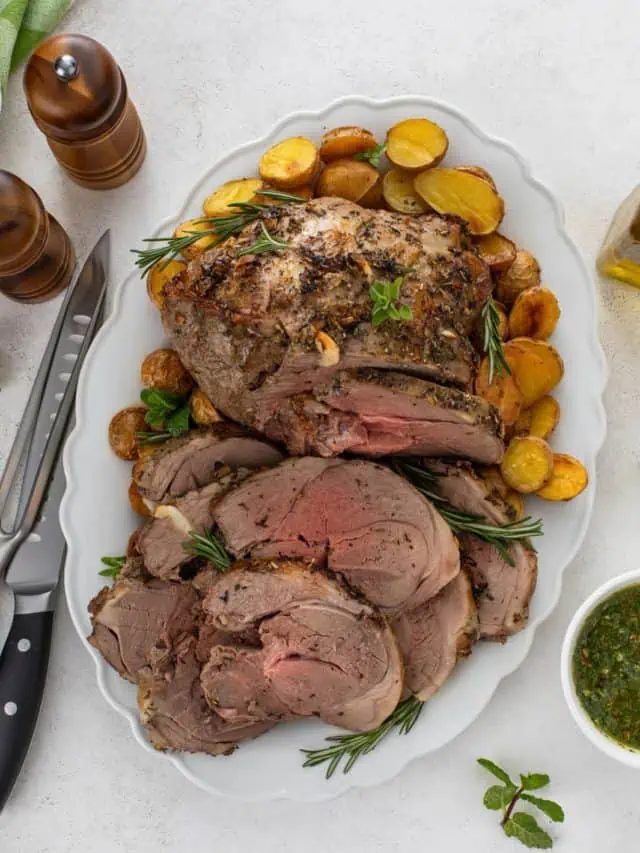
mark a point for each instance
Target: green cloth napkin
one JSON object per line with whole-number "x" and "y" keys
{"x": 23, "y": 24}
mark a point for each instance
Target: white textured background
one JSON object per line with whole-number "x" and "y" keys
{"x": 560, "y": 79}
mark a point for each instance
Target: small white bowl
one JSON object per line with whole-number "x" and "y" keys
{"x": 582, "y": 719}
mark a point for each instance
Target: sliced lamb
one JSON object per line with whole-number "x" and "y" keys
{"x": 183, "y": 464}
{"x": 133, "y": 615}
{"x": 248, "y": 327}
{"x": 435, "y": 635}
{"x": 161, "y": 540}
{"x": 174, "y": 710}
{"x": 356, "y": 517}
{"x": 377, "y": 413}
{"x": 502, "y": 591}
{"x": 323, "y": 651}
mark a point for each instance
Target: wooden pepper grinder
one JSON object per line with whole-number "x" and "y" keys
{"x": 36, "y": 256}
{"x": 77, "y": 96}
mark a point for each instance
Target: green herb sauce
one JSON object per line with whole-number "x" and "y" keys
{"x": 606, "y": 666}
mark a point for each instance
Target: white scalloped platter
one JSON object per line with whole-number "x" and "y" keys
{"x": 97, "y": 520}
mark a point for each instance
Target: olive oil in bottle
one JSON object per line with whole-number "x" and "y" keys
{"x": 619, "y": 256}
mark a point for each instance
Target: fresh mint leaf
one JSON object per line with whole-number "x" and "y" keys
{"x": 533, "y": 781}
{"x": 156, "y": 399}
{"x": 525, "y": 828}
{"x": 178, "y": 422}
{"x": 373, "y": 156}
{"x": 384, "y": 295}
{"x": 498, "y": 796}
{"x": 498, "y": 772}
{"x": 155, "y": 417}
{"x": 553, "y": 810}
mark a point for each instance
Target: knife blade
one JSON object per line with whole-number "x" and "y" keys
{"x": 34, "y": 570}
{"x": 7, "y": 609}
{"x": 58, "y": 394}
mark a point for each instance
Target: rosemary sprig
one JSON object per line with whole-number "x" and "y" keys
{"x": 208, "y": 545}
{"x": 114, "y": 566}
{"x": 168, "y": 248}
{"x": 500, "y": 536}
{"x": 353, "y": 746}
{"x": 492, "y": 343}
{"x": 143, "y": 438}
{"x": 266, "y": 243}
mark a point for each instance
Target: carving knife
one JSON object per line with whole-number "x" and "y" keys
{"x": 34, "y": 554}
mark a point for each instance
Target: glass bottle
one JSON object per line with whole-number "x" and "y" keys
{"x": 619, "y": 256}
{"x": 36, "y": 256}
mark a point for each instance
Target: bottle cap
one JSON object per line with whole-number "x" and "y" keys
{"x": 74, "y": 88}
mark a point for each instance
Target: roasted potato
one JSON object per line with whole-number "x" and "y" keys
{"x": 351, "y": 179}
{"x": 523, "y": 272}
{"x": 158, "y": 276}
{"x": 122, "y": 431}
{"x": 479, "y": 172}
{"x": 345, "y": 142}
{"x": 294, "y": 162}
{"x": 233, "y": 192}
{"x": 163, "y": 370}
{"x": 534, "y": 314}
{"x": 416, "y": 144}
{"x": 137, "y": 502}
{"x": 200, "y": 245}
{"x": 496, "y": 251}
{"x": 503, "y": 392}
{"x": 568, "y": 478}
{"x": 463, "y": 194}
{"x": 536, "y": 366}
{"x": 493, "y": 480}
{"x": 540, "y": 420}
{"x": 399, "y": 194}
{"x": 203, "y": 411}
{"x": 527, "y": 464}
{"x": 144, "y": 452}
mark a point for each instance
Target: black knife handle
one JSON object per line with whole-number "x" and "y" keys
{"x": 23, "y": 671}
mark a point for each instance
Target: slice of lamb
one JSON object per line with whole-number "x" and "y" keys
{"x": 174, "y": 710}
{"x": 502, "y": 591}
{"x": 324, "y": 652}
{"x": 161, "y": 540}
{"x": 357, "y": 517}
{"x": 435, "y": 635}
{"x": 183, "y": 464}
{"x": 133, "y": 615}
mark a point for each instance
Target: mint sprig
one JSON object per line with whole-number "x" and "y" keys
{"x": 521, "y": 825}
{"x": 168, "y": 414}
{"x": 384, "y": 295}
{"x": 373, "y": 156}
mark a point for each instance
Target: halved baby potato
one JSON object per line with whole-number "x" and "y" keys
{"x": 163, "y": 370}
{"x": 539, "y": 420}
{"x": 568, "y": 478}
{"x": 496, "y": 251}
{"x": 503, "y": 392}
{"x": 159, "y": 276}
{"x": 294, "y": 162}
{"x": 399, "y": 194}
{"x": 462, "y": 194}
{"x": 136, "y": 501}
{"x": 516, "y": 504}
{"x": 233, "y": 192}
{"x": 522, "y": 273}
{"x": 201, "y": 245}
{"x": 351, "y": 179}
{"x": 535, "y": 314}
{"x": 527, "y": 464}
{"x": 123, "y": 429}
{"x": 345, "y": 142}
{"x": 416, "y": 144}
{"x": 537, "y": 367}
{"x": 479, "y": 172}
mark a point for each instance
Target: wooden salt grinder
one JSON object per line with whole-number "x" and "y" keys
{"x": 36, "y": 256}
{"x": 77, "y": 96}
